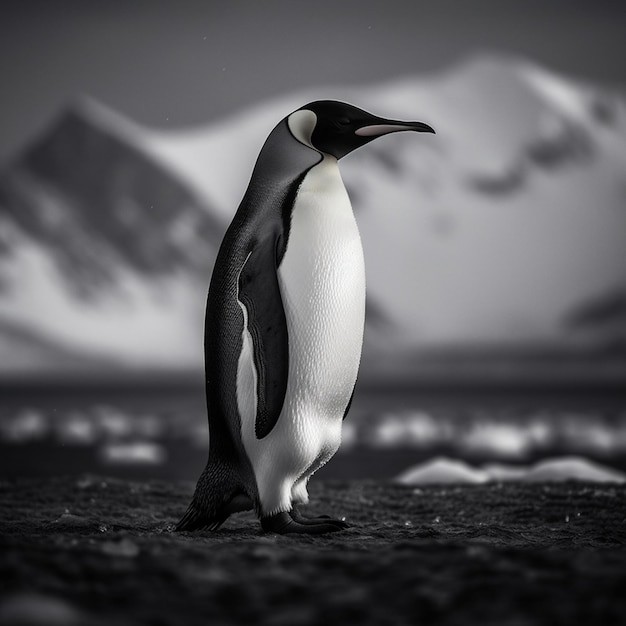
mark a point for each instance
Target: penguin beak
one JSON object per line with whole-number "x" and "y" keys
{"x": 391, "y": 126}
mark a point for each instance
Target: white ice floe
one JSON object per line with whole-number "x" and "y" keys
{"x": 573, "y": 468}
{"x": 140, "y": 452}
{"x": 77, "y": 429}
{"x": 445, "y": 471}
{"x": 442, "y": 470}
{"x": 500, "y": 433}
{"x": 27, "y": 425}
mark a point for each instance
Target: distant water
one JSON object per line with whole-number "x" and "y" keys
{"x": 161, "y": 432}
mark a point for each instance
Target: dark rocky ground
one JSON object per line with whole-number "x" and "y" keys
{"x": 93, "y": 551}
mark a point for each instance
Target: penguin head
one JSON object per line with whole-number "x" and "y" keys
{"x": 337, "y": 128}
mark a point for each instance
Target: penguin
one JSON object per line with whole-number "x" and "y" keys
{"x": 284, "y": 324}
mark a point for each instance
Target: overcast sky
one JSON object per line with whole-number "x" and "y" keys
{"x": 184, "y": 62}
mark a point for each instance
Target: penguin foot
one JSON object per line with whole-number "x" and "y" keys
{"x": 284, "y": 523}
{"x": 300, "y": 518}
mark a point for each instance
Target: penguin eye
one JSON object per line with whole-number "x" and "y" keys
{"x": 343, "y": 121}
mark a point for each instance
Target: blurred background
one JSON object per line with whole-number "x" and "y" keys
{"x": 495, "y": 249}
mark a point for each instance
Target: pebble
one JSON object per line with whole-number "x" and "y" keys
{"x": 69, "y": 521}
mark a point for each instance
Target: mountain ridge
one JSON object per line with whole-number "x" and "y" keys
{"x": 493, "y": 231}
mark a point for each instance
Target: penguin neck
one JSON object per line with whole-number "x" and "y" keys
{"x": 323, "y": 196}
{"x": 283, "y": 159}
{"x": 325, "y": 177}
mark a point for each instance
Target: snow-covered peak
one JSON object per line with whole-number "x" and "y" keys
{"x": 489, "y": 232}
{"x": 97, "y": 114}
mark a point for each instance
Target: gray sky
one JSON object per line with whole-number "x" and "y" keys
{"x": 184, "y": 62}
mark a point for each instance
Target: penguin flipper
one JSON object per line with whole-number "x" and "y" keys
{"x": 259, "y": 292}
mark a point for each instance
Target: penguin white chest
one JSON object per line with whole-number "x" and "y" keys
{"x": 322, "y": 283}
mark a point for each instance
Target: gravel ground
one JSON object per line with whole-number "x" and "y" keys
{"x": 91, "y": 551}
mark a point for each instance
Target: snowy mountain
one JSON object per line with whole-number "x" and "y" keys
{"x": 103, "y": 250}
{"x": 488, "y": 231}
{"x": 493, "y": 232}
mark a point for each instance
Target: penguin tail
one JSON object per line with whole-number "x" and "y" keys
{"x": 195, "y": 519}
{"x": 219, "y": 493}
